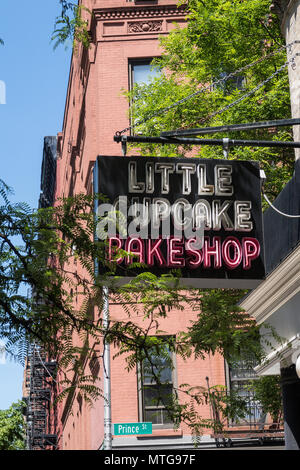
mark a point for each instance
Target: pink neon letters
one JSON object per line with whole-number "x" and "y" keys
{"x": 175, "y": 252}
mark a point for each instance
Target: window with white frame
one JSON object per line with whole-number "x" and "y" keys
{"x": 156, "y": 386}
{"x": 239, "y": 376}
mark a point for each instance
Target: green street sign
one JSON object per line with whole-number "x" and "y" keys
{"x": 132, "y": 429}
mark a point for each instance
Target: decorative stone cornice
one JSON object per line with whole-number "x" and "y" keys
{"x": 145, "y": 26}
{"x": 139, "y": 12}
{"x": 279, "y": 7}
{"x": 283, "y": 9}
{"x": 291, "y": 8}
{"x": 282, "y": 357}
{"x": 279, "y": 287}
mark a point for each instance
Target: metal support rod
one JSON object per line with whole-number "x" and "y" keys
{"x": 195, "y": 141}
{"x": 124, "y": 145}
{"x": 231, "y": 127}
{"x": 107, "y": 442}
{"x": 225, "y": 147}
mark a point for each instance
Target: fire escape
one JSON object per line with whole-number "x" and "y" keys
{"x": 40, "y": 386}
{"x": 40, "y": 415}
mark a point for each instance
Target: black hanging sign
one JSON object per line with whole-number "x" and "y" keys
{"x": 202, "y": 217}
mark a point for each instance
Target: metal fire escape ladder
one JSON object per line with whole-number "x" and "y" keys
{"x": 39, "y": 399}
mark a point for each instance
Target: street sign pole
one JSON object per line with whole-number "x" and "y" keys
{"x": 107, "y": 442}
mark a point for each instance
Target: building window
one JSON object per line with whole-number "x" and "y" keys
{"x": 236, "y": 82}
{"x": 239, "y": 376}
{"x": 156, "y": 386}
{"x": 141, "y": 72}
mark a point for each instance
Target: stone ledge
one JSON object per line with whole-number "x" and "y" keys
{"x": 161, "y": 433}
{"x": 139, "y": 12}
{"x": 280, "y": 286}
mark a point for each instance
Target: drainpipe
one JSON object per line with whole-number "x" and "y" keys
{"x": 107, "y": 442}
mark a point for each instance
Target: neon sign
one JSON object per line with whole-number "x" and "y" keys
{"x": 200, "y": 216}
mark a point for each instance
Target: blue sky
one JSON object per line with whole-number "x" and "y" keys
{"x": 34, "y": 78}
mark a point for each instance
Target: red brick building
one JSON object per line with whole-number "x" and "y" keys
{"x": 124, "y": 39}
